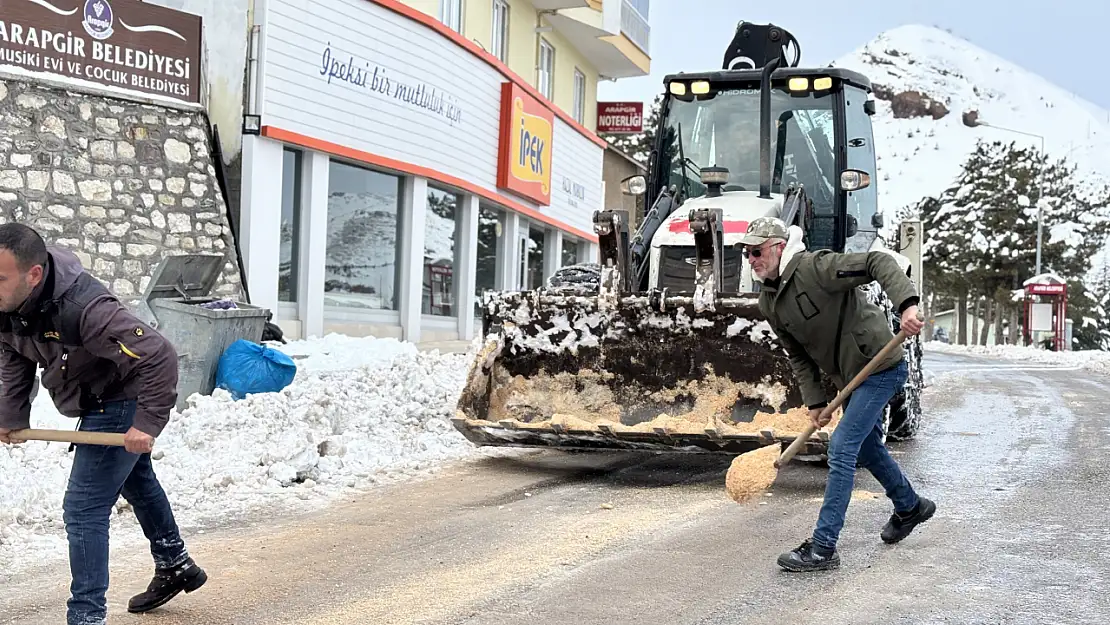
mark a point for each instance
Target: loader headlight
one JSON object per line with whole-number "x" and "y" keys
{"x": 634, "y": 185}
{"x": 822, "y": 84}
{"x": 798, "y": 83}
{"x": 699, "y": 87}
{"x": 678, "y": 88}
{"x": 854, "y": 180}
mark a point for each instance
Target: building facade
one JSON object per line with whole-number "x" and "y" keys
{"x": 408, "y": 157}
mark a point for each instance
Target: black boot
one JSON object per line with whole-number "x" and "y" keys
{"x": 809, "y": 557}
{"x": 166, "y": 584}
{"x": 900, "y": 525}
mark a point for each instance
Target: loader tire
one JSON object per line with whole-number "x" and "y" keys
{"x": 582, "y": 276}
{"x": 905, "y": 406}
{"x": 904, "y": 409}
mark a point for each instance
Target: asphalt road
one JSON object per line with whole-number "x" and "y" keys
{"x": 1015, "y": 456}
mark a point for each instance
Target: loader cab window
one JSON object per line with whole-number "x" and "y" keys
{"x": 721, "y": 128}
{"x": 863, "y": 204}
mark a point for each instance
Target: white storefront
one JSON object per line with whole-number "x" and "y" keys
{"x": 388, "y": 186}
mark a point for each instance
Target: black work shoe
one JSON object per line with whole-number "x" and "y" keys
{"x": 166, "y": 584}
{"x": 809, "y": 557}
{"x": 900, "y": 525}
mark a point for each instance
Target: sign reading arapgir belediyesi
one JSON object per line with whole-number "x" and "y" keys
{"x": 120, "y": 43}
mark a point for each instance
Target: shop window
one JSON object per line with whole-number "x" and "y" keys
{"x": 500, "y": 38}
{"x": 531, "y": 251}
{"x": 579, "y": 96}
{"x": 545, "y": 77}
{"x": 440, "y": 233}
{"x": 490, "y": 229}
{"x": 450, "y": 13}
{"x": 570, "y": 252}
{"x": 363, "y": 230}
{"x": 289, "y": 252}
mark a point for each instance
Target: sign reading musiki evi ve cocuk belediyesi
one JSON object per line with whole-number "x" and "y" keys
{"x": 119, "y": 43}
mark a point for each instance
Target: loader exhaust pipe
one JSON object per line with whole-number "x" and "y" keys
{"x": 765, "y": 127}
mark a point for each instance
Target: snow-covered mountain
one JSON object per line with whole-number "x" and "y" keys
{"x": 930, "y": 83}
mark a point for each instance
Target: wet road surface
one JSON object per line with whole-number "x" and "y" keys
{"x": 1015, "y": 456}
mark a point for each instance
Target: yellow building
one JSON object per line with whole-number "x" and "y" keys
{"x": 561, "y": 47}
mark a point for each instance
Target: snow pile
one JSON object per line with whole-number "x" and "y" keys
{"x": 1092, "y": 360}
{"x": 361, "y": 411}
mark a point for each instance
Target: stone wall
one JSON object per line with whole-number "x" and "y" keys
{"x": 122, "y": 183}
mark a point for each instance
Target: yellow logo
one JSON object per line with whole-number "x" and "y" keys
{"x": 531, "y": 147}
{"x": 524, "y": 152}
{"x": 52, "y": 335}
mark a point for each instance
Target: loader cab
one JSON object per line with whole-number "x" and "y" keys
{"x": 820, "y": 138}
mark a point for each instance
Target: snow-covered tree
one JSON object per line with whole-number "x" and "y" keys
{"x": 1092, "y": 330}
{"x": 982, "y": 230}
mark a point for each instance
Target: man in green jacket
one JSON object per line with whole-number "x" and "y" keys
{"x": 827, "y": 325}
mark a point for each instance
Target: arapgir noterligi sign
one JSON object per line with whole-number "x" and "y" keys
{"x": 126, "y": 44}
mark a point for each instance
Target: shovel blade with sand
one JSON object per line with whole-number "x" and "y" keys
{"x": 752, "y": 473}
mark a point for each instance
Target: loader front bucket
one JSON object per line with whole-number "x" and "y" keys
{"x": 647, "y": 372}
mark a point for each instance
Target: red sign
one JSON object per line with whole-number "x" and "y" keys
{"x": 1046, "y": 289}
{"x": 620, "y": 117}
{"x": 524, "y": 157}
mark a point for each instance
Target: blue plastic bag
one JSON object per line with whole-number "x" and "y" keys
{"x": 246, "y": 367}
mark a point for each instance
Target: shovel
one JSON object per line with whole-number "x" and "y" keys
{"x": 840, "y": 397}
{"x": 69, "y": 436}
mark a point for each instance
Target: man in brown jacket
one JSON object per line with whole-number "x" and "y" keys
{"x": 116, "y": 374}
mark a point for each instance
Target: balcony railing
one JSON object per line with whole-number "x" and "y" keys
{"x": 642, "y": 7}
{"x": 634, "y": 23}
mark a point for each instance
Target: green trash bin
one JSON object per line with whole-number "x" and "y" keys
{"x": 171, "y": 305}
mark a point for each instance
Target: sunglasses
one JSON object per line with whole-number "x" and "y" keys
{"x": 757, "y": 252}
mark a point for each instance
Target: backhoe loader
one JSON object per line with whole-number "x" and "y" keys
{"x": 660, "y": 345}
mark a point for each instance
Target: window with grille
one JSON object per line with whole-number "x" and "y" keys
{"x": 450, "y": 13}
{"x": 579, "y": 96}
{"x": 546, "y": 75}
{"x": 500, "y": 39}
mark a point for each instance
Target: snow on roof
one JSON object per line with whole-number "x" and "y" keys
{"x": 1050, "y": 277}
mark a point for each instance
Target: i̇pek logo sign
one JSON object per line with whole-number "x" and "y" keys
{"x": 524, "y": 156}
{"x": 129, "y": 44}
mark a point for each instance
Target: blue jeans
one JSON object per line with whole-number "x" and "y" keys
{"x": 857, "y": 440}
{"x": 100, "y": 474}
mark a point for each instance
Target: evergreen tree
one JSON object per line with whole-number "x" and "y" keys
{"x": 982, "y": 230}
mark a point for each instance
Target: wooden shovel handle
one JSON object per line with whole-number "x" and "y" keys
{"x": 840, "y": 397}
{"x": 70, "y": 436}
